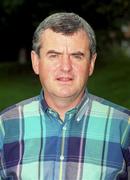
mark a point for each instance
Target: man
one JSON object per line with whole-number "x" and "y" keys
{"x": 65, "y": 133}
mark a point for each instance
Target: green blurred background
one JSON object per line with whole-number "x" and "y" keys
{"x": 111, "y": 23}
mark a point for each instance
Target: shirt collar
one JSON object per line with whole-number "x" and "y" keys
{"x": 83, "y": 101}
{"x": 84, "y": 106}
{"x": 43, "y": 102}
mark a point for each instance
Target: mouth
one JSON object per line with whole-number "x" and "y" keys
{"x": 64, "y": 79}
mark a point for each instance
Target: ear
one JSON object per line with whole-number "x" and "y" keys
{"x": 92, "y": 64}
{"x": 35, "y": 62}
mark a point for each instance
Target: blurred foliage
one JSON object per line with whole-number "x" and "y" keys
{"x": 102, "y": 14}
{"x": 10, "y": 5}
{"x": 15, "y": 28}
{"x": 19, "y": 18}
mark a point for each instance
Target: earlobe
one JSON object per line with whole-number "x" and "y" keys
{"x": 92, "y": 64}
{"x": 35, "y": 62}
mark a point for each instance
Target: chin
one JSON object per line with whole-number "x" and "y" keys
{"x": 65, "y": 94}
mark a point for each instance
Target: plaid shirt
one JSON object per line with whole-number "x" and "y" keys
{"x": 93, "y": 142}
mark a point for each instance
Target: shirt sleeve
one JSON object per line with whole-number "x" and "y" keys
{"x": 125, "y": 142}
{"x": 1, "y": 145}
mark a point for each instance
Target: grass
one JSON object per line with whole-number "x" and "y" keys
{"x": 17, "y": 83}
{"x": 111, "y": 80}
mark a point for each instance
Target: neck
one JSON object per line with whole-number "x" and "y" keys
{"x": 62, "y": 105}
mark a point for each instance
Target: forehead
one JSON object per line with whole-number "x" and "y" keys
{"x": 53, "y": 39}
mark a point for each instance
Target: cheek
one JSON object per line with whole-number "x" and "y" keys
{"x": 47, "y": 72}
{"x": 82, "y": 71}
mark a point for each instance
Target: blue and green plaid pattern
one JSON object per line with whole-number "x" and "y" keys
{"x": 93, "y": 142}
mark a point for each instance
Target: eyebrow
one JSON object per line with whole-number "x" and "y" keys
{"x": 73, "y": 53}
{"x": 78, "y": 53}
{"x": 53, "y": 52}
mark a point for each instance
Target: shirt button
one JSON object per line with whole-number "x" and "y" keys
{"x": 78, "y": 119}
{"x": 64, "y": 128}
{"x": 61, "y": 157}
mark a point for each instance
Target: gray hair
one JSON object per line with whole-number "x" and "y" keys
{"x": 67, "y": 24}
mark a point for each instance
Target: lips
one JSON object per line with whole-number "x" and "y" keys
{"x": 64, "y": 79}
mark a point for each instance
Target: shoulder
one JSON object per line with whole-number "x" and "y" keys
{"x": 102, "y": 104}
{"x": 14, "y": 110}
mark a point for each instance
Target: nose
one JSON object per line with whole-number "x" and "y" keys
{"x": 66, "y": 64}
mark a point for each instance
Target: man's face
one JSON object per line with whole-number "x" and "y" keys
{"x": 64, "y": 64}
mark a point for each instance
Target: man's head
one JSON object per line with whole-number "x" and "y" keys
{"x": 67, "y": 24}
{"x": 64, "y": 54}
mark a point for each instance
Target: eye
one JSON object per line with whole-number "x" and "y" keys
{"x": 53, "y": 56}
{"x": 77, "y": 56}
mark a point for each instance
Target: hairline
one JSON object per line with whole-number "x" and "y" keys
{"x": 48, "y": 24}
